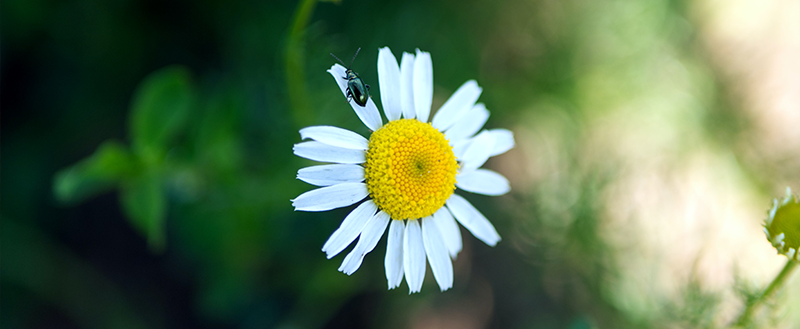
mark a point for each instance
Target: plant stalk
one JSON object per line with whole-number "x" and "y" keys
{"x": 294, "y": 61}
{"x": 773, "y": 287}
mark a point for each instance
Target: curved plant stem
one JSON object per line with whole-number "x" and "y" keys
{"x": 776, "y": 285}
{"x": 294, "y": 61}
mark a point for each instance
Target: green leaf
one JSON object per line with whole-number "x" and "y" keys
{"x": 159, "y": 110}
{"x": 98, "y": 173}
{"x": 144, "y": 202}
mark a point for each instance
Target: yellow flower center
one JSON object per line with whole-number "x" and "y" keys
{"x": 410, "y": 169}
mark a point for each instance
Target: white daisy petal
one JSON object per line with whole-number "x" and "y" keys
{"x": 389, "y": 79}
{"x": 335, "y": 136}
{"x": 351, "y": 227}
{"x": 458, "y": 104}
{"x": 460, "y": 147}
{"x": 368, "y": 114}
{"x": 326, "y": 153}
{"x": 331, "y": 197}
{"x": 451, "y": 235}
{"x": 503, "y": 141}
{"x": 423, "y": 85}
{"x": 413, "y": 256}
{"x": 478, "y": 151}
{"x": 340, "y": 76}
{"x": 366, "y": 242}
{"x": 394, "y": 254}
{"x": 407, "y": 86}
{"x": 473, "y": 220}
{"x": 468, "y": 125}
{"x": 483, "y": 181}
{"x": 327, "y": 175}
{"x": 371, "y": 113}
{"x": 441, "y": 265}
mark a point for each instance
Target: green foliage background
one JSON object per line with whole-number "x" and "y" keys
{"x": 147, "y": 159}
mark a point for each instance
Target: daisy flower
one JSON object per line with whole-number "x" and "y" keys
{"x": 407, "y": 170}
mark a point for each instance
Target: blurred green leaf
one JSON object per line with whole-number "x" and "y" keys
{"x": 144, "y": 202}
{"x": 95, "y": 174}
{"x": 159, "y": 110}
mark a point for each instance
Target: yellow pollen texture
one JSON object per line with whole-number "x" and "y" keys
{"x": 410, "y": 169}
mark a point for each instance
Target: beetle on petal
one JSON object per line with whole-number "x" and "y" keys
{"x": 356, "y": 88}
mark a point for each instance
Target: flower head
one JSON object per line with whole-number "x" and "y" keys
{"x": 408, "y": 170}
{"x": 782, "y": 226}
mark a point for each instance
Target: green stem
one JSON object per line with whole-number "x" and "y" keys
{"x": 294, "y": 61}
{"x": 776, "y": 285}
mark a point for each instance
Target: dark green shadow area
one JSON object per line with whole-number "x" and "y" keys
{"x": 147, "y": 164}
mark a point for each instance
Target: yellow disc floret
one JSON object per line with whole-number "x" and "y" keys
{"x": 410, "y": 169}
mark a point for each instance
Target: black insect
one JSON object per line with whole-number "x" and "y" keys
{"x": 356, "y": 88}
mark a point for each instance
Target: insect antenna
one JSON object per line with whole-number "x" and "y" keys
{"x": 337, "y": 58}
{"x": 354, "y": 56}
